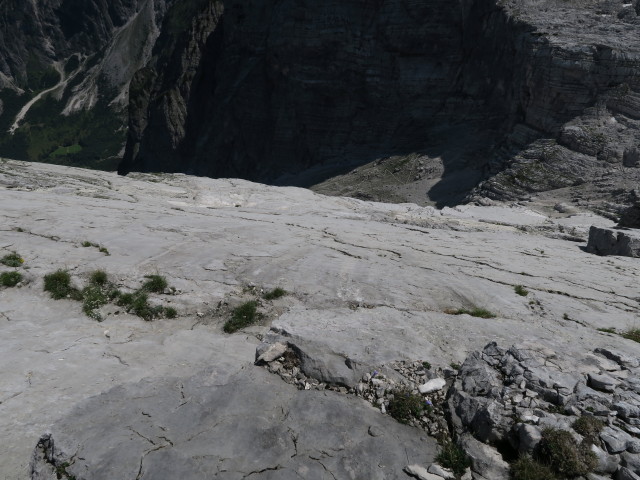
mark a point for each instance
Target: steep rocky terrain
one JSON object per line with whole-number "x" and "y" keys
{"x": 530, "y": 95}
{"x": 495, "y": 317}
{"x": 65, "y": 68}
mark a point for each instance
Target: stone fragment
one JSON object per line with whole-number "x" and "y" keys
{"x": 420, "y": 473}
{"x": 529, "y": 436}
{"x": 620, "y": 358}
{"x": 631, "y": 461}
{"x": 625, "y": 474}
{"x": 432, "y": 386}
{"x": 615, "y": 439}
{"x": 626, "y": 410}
{"x": 440, "y": 471}
{"x": 603, "y": 382}
{"x": 485, "y": 460}
{"x": 606, "y": 463}
{"x": 606, "y": 241}
{"x": 271, "y": 352}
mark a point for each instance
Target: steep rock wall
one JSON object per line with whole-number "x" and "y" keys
{"x": 284, "y": 86}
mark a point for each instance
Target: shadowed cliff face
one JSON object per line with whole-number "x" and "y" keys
{"x": 282, "y": 86}
{"x": 263, "y": 89}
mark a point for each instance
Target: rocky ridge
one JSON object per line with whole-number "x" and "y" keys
{"x": 128, "y": 398}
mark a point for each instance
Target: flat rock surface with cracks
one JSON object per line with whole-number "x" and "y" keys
{"x": 368, "y": 284}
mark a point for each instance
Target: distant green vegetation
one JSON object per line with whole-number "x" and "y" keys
{"x": 90, "y": 139}
{"x": 40, "y": 76}
{"x": 66, "y": 150}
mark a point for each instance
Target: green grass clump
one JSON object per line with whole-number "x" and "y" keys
{"x": 589, "y": 427}
{"x": 451, "y": 456}
{"x": 520, "y": 290}
{"x": 559, "y": 450}
{"x": 88, "y": 244}
{"x": 405, "y": 405}
{"x": 170, "y": 312}
{"x": 242, "y": 316}
{"x": 155, "y": 284}
{"x": 633, "y": 334}
{"x": 12, "y": 260}
{"x": 10, "y": 279}
{"x": 104, "y": 250}
{"x": 275, "y": 293}
{"x": 137, "y": 303}
{"x": 526, "y": 468}
{"x": 98, "y": 293}
{"x": 98, "y": 277}
{"x": 474, "y": 312}
{"x": 58, "y": 284}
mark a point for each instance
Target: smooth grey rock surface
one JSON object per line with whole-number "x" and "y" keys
{"x": 251, "y": 425}
{"x": 217, "y": 241}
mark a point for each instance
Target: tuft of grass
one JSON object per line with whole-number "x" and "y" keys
{"x": 520, "y": 290}
{"x": 10, "y": 279}
{"x": 405, "y": 405}
{"x": 12, "y": 260}
{"x": 426, "y": 365}
{"x": 58, "y": 284}
{"x": 451, "y": 456}
{"x": 155, "y": 284}
{"x": 526, "y": 468}
{"x": 170, "y": 312}
{"x": 633, "y": 334}
{"x": 275, "y": 293}
{"x": 607, "y": 330}
{"x": 242, "y": 316}
{"x": 474, "y": 312}
{"x": 560, "y": 451}
{"x": 455, "y": 366}
{"x": 98, "y": 277}
{"x": 589, "y": 427}
{"x": 100, "y": 248}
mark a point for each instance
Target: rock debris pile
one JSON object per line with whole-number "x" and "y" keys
{"x": 379, "y": 387}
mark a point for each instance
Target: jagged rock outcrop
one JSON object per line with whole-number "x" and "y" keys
{"x": 607, "y": 241}
{"x": 509, "y": 398}
{"x": 278, "y": 87}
